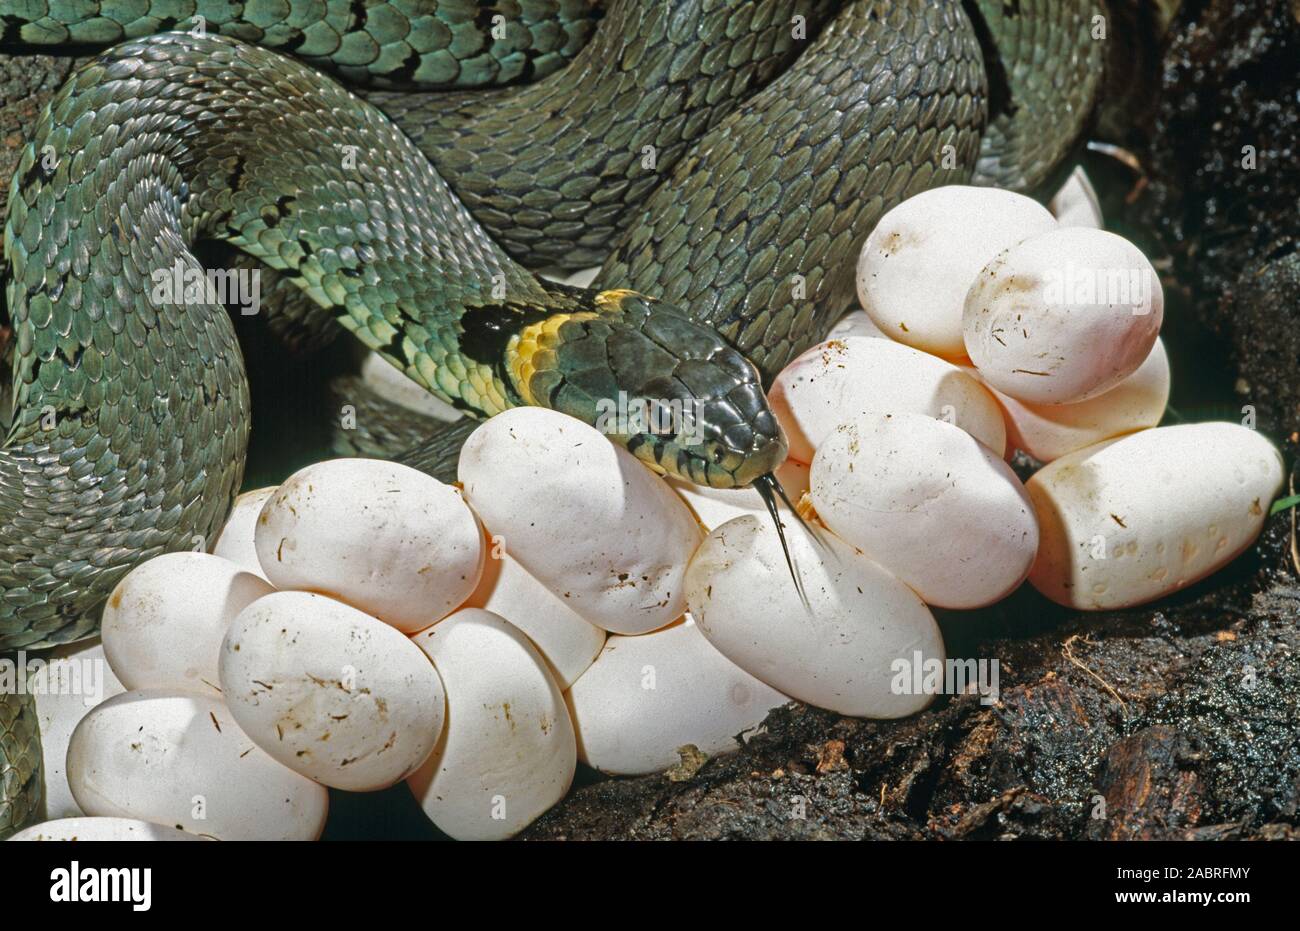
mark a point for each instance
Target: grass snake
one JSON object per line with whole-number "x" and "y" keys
{"x": 723, "y": 161}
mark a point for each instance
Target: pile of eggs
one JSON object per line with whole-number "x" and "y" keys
{"x": 363, "y": 624}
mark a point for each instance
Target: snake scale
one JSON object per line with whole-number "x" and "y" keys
{"x": 723, "y": 160}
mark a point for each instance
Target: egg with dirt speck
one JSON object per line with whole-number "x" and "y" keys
{"x": 929, "y": 503}
{"x": 180, "y": 758}
{"x": 843, "y": 378}
{"x": 1064, "y": 316}
{"x": 331, "y": 692}
{"x": 164, "y": 622}
{"x": 1129, "y": 520}
{"x": 383, "y": 537}
{"x": 836, "y": 646}
{"x": 1050, "y": 431}
{"x": 917, "y": 264}
{"x": 508, "y": 751}
{"x": 583, "y": 516}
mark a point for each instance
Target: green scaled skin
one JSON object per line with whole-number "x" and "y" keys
{"x": 403, "y": 43}
{"x": 758, "y": 230}
{"x": 556, "y": 170}
{"x": 21, "y": 789}
{"x": 131, "y": 418}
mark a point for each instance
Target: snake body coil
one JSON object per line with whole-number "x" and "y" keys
{"x": 130, "y": 412}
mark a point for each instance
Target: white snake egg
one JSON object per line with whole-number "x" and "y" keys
{"x": 237, "y": 540}
{"x": 568, "y": 642}
{"x": 179, "y": 758}
{"x": 920, "y": 260}
{"x": 645, "y": 697}
{"x": 1050, "y": 431}
{"x": 1064, "y": 316}
{"x": 163, "y": 623}
{"x": 331, "y": 692}
{"x": 112, "y": 829}
{"x": 60, "y": 710}
{"x": 929, "y": 503}
{"x": 583, "y": 516}
{"x": 837, "y": 652}
{"x": 844, "y": 378}
{"x": 508, "y": 753}
{"x": 383, "y": 537}
{"x": 1129, "y": 520}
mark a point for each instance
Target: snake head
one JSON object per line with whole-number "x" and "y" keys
{"x": 665, "y": 386}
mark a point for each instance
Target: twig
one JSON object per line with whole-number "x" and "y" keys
{"x": 1068, "y": 651}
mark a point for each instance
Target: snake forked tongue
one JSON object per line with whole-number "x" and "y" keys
{"x": 769, "y": 489}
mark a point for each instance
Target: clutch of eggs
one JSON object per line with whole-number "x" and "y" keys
{"x": 362, "y": 624}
